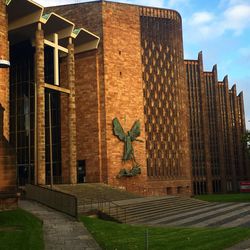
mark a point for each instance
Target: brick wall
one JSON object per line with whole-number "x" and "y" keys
{"x": 7, "y": 159}
{"x": 88, "y": 114}
{"x": 165, "y": 100}
{"x": 123, "y": 84}
{"x": 4, "y": 73}
{"x": 88, "y": 16}
{"x": 119, "y": 85}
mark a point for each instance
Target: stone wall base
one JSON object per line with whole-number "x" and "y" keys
{"x": 155, "y": 187}
{"x": 8, "y": 202}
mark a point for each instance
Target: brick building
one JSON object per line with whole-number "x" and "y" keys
{"x": 68, "y": 83}
{"x": 141, "y": 76}
{"x": 37, "y": 44}
{"x": 217, "y": 126}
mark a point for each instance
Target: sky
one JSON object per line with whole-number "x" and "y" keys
{"x": 220, "y": 28}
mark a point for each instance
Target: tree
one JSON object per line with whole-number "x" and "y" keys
{"x": 246, "y": 141}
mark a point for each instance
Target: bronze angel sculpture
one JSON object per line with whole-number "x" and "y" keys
{"x": 128, "y": 138}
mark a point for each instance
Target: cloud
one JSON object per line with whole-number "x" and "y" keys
{"x": 209, "y": 25}
{"x": 245, "y": 51}
{"x": 237, "y": 18}
{"x": 226, "y": 3}
{"x": 201, "y": 18}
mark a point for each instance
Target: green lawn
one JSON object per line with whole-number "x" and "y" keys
{"x": 112, "y": 236}
{"x": 225, "y": 197}
{"x": 20, "y": 230}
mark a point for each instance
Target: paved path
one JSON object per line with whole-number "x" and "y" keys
{"x": 61, "y": 232}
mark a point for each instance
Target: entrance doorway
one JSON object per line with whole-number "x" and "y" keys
{"x": 81, "y": 171}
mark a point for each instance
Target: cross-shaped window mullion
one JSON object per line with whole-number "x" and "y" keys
{"x": 56, "y": 48}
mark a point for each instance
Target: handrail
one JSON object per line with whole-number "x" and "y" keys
{"x": 101, "y": 204}
{"x": 63, "y": 202}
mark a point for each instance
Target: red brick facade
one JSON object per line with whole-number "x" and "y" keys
{"x": 113, "y": 84}
{"x": 4, "y": 73}
{"x": 137, "y": 73}
{"x": 7, "y": 159}
{"x": 217, "y": 127}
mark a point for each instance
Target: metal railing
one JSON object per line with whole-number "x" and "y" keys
{"x": 105, "y": 206}
{"x": 57, "y": 200}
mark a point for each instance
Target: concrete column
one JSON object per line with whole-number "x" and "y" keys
{"x": 72, "y": 113}
{"x": 40, "y": 93}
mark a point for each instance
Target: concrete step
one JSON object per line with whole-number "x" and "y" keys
{"x": 185, "y": 213}
{"x": 163, "y": 204}
{"x": 195, "y": 219}
{"x": 157, "y": 208}
{"x": 142, "y": 212}
{"x": 153, "y": 205}
{"x": 146, "y": 216}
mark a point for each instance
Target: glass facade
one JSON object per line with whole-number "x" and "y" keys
{"x": 22, "y": 110}
{"x": 22, "y": 113}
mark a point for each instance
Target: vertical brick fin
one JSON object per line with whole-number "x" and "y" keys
{"x": 199, "y": 134}
{"x": 205, "y": 126}
{"x": 229, "y": 131}
{"x": 39, "y": 64}
{"x": 72, "y": 114}
{"x": 242, "y": 131}
{"x": 236, "y": 133}
{"x": 224, "y": 117}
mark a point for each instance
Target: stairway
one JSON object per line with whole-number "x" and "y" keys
{"x": 95, "y": 191}
{"x": 148, "y": 210}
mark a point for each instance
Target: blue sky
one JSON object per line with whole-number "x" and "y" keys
{"x": 220, "y": 28}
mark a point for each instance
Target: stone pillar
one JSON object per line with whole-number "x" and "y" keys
{"x": 72, "y": 113}
{"x": 40, "y": 121}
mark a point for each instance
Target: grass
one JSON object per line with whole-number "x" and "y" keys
{"x": 19, "y": 230}
{"x": 113, "y": 236}
{"x": 225, "y": 197}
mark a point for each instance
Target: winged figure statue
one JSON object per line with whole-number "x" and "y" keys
{"x": 127, "y": 138}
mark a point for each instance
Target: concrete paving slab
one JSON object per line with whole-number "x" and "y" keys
{"x": 61, "y": 232}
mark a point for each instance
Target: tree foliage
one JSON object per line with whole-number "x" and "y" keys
{"x": 246, "y": 140}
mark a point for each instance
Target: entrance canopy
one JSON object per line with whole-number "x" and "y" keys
{"x": 24, "y": 16}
